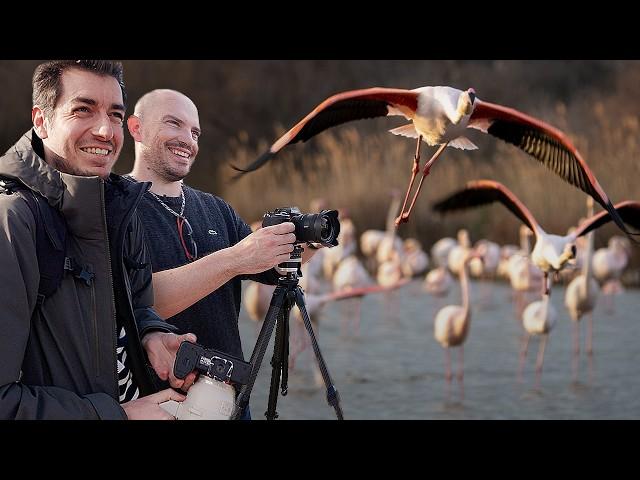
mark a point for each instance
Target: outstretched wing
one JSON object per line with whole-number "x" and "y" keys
{"x": 484, "y": 192}
{"x": 628, "y": 210}
{"x": 341, "y": 108}
{"x": 546, "y": 144}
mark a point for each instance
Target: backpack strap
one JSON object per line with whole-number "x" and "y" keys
{"x": 51, "y": 241}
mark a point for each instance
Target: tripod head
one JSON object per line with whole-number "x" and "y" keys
{"x": 292, "y": 266}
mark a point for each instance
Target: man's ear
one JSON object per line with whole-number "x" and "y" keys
{"x": 39, "y": 122}
{"x": 133, "y": 123}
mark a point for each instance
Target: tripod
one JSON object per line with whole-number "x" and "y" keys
{"x": 284, "y": 296}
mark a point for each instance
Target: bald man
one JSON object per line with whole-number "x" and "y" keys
{"x": 200, "y": 247}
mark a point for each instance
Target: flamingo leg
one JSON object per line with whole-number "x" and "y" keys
{"x": 545, "y": 284}
{"x": 447, "y": 374}
{"x": 540, "y": 361}
{"x": 461, "y": 371}
{"x": 576, "y": 349}
{"x": 523, "y": 355}
{"x": 414, "y": 171}
{"x": 590, "y": 334}
{"x": 404, "y": 216}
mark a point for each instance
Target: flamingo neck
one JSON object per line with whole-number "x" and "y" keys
{"x": 464, "y": 286}
{"x": 525, "y": 243}
{"x": 587, "y": 268}
{"x": 391, "y": 215}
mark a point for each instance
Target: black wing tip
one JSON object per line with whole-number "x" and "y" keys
{"x": 620, "y": 223}
{"x": 630, "y": 235}
{"x": 239, "y": 175}
{"x": 262, "y": 159}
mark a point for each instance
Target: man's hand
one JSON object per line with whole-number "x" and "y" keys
{"x": 161, "y": 349}
{"x": 264, "y": 248}
{"x": 148, "y": 408}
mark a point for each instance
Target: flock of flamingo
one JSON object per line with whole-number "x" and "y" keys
{"x": 440, "y": 116}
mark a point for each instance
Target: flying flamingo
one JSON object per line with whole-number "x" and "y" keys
{"x": 551, "y": 253}
{"x": 440, "y": 116}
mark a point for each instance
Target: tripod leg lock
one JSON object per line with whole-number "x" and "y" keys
{"x": 332, "y": 396}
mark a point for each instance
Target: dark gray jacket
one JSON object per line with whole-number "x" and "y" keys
{"x": 62, "y": 363}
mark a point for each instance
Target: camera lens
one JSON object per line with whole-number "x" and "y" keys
{"x": 324, "y": 228}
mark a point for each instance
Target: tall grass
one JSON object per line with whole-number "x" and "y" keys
{"x": 357, "y": 171}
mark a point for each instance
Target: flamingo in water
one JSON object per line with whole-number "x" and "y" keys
{"x": 440, "y": 116}
{"x": 451, "y": 324}
{"x": 551, "y": 253}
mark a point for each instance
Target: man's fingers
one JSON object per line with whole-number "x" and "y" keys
{"x": 188, "y": 381}
{"x": 287, "y": 239}
{"x": 284, "y": 249}
{"x": 281, "y": 228}
{"x": 188, "y": 337}
{"x": 166, "y": 395}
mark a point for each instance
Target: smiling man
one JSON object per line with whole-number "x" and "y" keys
{"x": 200, "y": 248}
{"x": 78, "y": 350}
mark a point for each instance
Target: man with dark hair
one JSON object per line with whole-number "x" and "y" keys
{"x": 82, "y": 351}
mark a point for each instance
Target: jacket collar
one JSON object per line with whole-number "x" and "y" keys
{"x": 23, "y": 162}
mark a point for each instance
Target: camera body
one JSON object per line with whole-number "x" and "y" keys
{"x": 322, "y": 228}
{"x": 212, "y": 363}
{"x": 212, "y": 396}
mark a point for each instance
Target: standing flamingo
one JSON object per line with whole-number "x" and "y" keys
{"x": 523, "y": 275}
{"x": 551, "y": 253}
{"x": 452, "y": 322}
{"x": 580, "y": 299}
{"x": 440, "y": 116}
{"x": 538, "y": 319}
{"x": 608, "y": 265}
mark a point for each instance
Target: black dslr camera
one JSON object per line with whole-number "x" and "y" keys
{"x": 212, "y": 363}
{"x": 322, "y": 228}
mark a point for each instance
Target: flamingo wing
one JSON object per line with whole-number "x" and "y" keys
{"x": 341, "y": 108}
{"x": 546, "y": 144}
{"x": 628, "y": 210}
{"x": 483, "y": 192}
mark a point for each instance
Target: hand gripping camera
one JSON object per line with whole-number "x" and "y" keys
{"x": 212, "y": 396}
{"x": 322, "y": 228}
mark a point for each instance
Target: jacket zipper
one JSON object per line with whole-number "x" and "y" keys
{"x": 113, "y": 301}
{"x": 95, "y": 326}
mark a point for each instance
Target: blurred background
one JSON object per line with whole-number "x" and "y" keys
{"x": 381, "y": 351}
{"x": 245, "y": 105}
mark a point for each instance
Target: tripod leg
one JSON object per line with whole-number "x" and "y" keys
{"x": 279, "y": 350}
{"x": 257, "y": 355}
{"x": 333, "y": 398}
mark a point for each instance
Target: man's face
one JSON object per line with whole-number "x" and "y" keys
{"x": 170, "y": 130}
{"x": 85, "y": 132}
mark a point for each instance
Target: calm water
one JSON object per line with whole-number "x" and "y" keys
{"x": 393, "y": 368}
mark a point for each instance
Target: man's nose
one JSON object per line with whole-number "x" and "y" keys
{"x": 103, "y": 128}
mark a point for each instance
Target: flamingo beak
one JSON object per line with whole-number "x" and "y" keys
{"x": 472, "y": 95}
